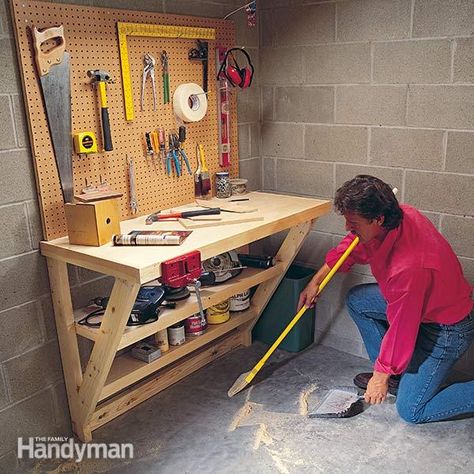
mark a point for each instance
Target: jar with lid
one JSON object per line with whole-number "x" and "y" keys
{"x": 223, "y": 187}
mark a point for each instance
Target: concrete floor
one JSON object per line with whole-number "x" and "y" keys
{"x": 193, "y": 427}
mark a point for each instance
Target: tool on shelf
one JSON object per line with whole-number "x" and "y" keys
{"x": 200, "y": 53}
{"x": 205, "y": 177}
{"x": 148, "y": 70}
{"x": 100, "y": 79}
{"x": 223, "y": 110}
{"x": 244, "y": 379}
{"x": 158, "y": 216}
{"x": 166, "y": 77}
{"x": 54, "y": 75}
{"x": 131, "y": 180}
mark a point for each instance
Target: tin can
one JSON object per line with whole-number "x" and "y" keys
{"x": 161, "y": 340}
{"x": 240, "y": 301}
{"x": 195, "y": 325}
{"x": 223, "y": 187}
{"x": 176, "y": 335}
{"x": 218, "y": 313}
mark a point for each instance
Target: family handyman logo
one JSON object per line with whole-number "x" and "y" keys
{"x": 66, "y": 448}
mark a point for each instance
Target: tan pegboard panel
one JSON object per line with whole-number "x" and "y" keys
{"x": 92, "y": 41}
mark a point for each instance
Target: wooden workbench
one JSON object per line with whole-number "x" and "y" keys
{"x": 111, "y": 384}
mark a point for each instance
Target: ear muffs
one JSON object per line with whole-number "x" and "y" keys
{"x": 237, "y": 76}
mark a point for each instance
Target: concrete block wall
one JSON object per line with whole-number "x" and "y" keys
{"x": 383, "y": 87}
{"x": 33, "y": 400}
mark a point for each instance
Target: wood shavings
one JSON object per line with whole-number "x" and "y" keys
{"x": 304, "y": 399}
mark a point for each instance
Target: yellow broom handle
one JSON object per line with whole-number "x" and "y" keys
{"x": 300, "y": 313}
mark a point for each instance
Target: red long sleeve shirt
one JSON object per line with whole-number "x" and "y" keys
{"x": 419, "y": 276}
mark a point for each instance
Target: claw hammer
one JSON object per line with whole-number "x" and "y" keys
{"x": 101, "y": 78}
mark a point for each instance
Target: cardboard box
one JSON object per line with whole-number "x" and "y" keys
{"x": 93, "y": 223}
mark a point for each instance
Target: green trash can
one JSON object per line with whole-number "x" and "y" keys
{"x": 282, "y": 308}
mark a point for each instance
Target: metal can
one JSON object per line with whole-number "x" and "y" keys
{"x": 195, "y": 325}
{"x": 218, "y": 313}
{"x": 240, "y": 301}
{"x": 223, "y": 187}
{"x": 176, "y": 335}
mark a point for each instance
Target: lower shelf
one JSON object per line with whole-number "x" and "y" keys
{"x": 126, "y": 370}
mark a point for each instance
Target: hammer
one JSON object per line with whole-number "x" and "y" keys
{"x": 101, "y": 78}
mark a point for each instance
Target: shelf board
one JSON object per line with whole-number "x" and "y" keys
{"x": 209, "y": 295}
{"x": 127, "y": 370}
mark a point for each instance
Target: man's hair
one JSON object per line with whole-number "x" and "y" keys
{"x": 369, "y": 197}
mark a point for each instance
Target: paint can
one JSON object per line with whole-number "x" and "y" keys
{"x": 161, "y": 340}
{"x": 240, "y": 301}
{"x": 195, "y": 325}
{"x": 176, "y": 335}
{"x": 219, "y": 313}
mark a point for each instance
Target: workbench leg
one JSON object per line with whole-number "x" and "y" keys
{"x": 118, "y": 310}
{"x": 63, "y": 313}
{"x": 286, "y": 254}
{"x": 246, "y": 334}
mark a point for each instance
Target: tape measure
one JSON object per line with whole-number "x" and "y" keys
{"x": 85, "y": 142}
{"x": 159, "y": 31}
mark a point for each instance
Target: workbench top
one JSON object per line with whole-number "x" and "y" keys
{"x": 143, "y": 263}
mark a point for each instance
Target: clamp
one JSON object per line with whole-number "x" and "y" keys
{"x": 148, "y": 70}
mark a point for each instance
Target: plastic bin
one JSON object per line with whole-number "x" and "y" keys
{"x": 282, "y": 308}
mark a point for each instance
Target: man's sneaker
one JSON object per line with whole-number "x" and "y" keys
{"x": 361, "y": 380}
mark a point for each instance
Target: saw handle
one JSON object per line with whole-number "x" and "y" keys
{"x": 300, "y": 313}
{"x": 44, "y": 61}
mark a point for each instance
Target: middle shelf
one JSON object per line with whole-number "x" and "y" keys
{"x": 210, "y": 296}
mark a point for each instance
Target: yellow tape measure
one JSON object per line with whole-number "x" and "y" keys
{"x": 159, "y": 31}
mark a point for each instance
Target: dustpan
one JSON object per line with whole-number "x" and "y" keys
{"x": 343, "y": 402}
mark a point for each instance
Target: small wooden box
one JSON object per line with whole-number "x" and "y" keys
{"x": 93, "y": 223}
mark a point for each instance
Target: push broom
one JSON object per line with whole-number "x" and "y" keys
{"x": 245, "y": 378}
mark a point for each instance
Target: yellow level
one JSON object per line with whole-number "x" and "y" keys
{"x": 159, "y": 31}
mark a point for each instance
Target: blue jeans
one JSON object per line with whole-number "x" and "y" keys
{"x": 421, "y": 397}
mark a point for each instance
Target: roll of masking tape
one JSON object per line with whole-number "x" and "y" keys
{"x": 190, "y": 102}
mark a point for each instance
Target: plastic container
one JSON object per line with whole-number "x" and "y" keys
{"x": 282, "y": 308}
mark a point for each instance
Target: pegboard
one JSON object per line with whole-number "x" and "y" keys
{"x": 92, "y": 41}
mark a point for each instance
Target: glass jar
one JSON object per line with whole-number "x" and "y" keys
{"x": 223, "y": 187}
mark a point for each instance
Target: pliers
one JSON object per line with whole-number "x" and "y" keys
{"x": 172, "y": 155}
{"x": 166, "y": 77}
{"x": 149, "y": 69}
{"x": 179, "y": 149}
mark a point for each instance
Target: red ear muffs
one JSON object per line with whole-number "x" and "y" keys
{"x": 237, "y": 76}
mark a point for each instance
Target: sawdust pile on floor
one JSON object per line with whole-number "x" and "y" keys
{"x": 304, "y": 399}
{"x": 262, "y": 436}
{"x": 241, "y": 415}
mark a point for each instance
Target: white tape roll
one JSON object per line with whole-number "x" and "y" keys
{"x": 190, "y": 102}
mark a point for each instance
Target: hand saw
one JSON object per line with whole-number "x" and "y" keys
{"x": 54, "y": 73}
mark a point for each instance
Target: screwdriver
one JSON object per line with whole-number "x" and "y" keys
{"x": 162, "y": 143}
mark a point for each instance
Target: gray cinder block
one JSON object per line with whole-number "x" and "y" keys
{"x": 310, "y": 104}
{"x": 408, "y": 62}
{"x": 441, "y": 192}
{"x": 460, "y": 152}
{"x": 280, "y": 139}
{"x": 404, "y": 147}
{"x": 337, "y": 63}
{"x": 441, "y": 106}
{"x": 464, "y": 60}
{"x": 377, "y": 105}
{"x": 459, "y": 231}
{"x": 373, "y": 20}
{"x": 443, "y": 18}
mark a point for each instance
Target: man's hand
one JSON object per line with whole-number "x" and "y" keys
{"x": 377, "y": 388}
{"x": 308, "y": 296}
